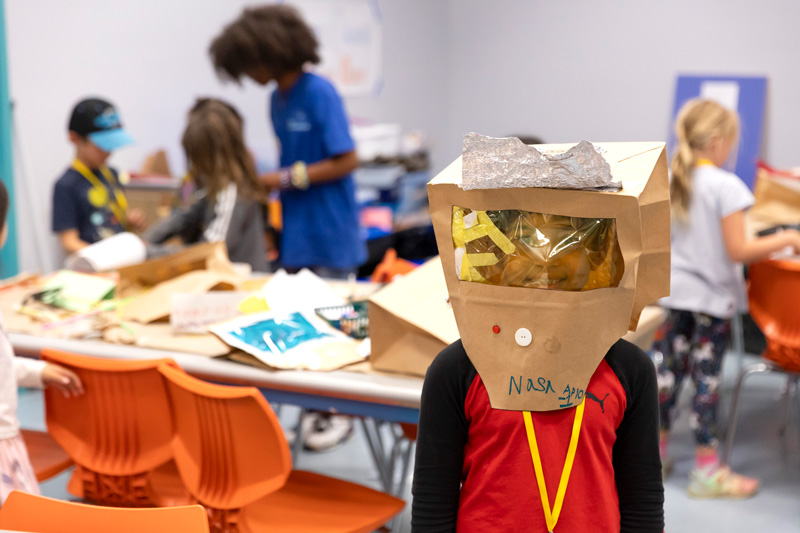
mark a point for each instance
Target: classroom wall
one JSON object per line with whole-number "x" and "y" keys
{"x": 600, "y": 71}
{"x": 150, "y": 58}
{"x": 606, "y": 71}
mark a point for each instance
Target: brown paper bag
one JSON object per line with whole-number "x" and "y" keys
{"x": 567, "y": 332}
{"x": 777, "y": 200}
{"x": 157, "y": 303}
{"x": 410, "y": 321}
{"x": 206, "y": 256}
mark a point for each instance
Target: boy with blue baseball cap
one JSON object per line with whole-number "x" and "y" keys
{"x": 89, "y": 203}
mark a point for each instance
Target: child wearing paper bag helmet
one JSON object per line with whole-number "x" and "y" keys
{"x": 708, "y": 243}
{"x": 541, "y": 418}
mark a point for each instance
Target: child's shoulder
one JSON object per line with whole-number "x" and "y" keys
{"x": 630, "y": 363}
{"x": 451, "y": 362}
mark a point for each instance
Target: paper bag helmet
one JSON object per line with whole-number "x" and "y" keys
{"x": 550, "y": 254}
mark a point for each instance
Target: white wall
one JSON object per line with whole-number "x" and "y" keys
{"x": 606, "y": 71}
{"x": 564, "y": 71}
{"x": 150, "y": 58}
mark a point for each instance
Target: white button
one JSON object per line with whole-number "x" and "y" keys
{"x": 523, "y": 336}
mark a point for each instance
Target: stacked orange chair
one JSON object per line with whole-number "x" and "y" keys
{"x": 118, "y": 432}
{"x": 47, "y": 457}
{"x": 774, "y": 292}
{"x": 233, "y": 457}
{"x": 775, "y": 307}
{"x": 26, "y": 512}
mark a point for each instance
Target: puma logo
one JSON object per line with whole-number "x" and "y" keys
{"x": 598, "y": 400}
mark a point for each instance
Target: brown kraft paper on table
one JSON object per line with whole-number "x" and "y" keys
{"x": 571, "y": 331}
{"x": 777, "y": 201}
{"x": 410, "y": 321}
{"x": 206, "y": 256}
{"x": 157, "y": 303}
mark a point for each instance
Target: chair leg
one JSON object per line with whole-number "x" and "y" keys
{"x": 378, "y": 455}
{"x": 297, "y": 445}
{"x": 737, "y": 392}
{"x": 786, "y": 398}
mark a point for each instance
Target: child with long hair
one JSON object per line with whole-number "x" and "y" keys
{"x": 16, "y": 472}
{"x": 227, "y": 205}
{"x": 273, "y": 43}
{"x": 709, "y": 244}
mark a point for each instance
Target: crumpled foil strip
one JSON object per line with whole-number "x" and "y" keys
{"x": 491, "y": 163}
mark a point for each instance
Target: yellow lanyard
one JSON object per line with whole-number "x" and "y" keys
{"x": 551, "y": 517}
{"x": 703, "y": 162}
{"x": 99, "y": 193}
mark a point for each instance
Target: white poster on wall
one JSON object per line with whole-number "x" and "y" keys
{"x": 351, "y": 42}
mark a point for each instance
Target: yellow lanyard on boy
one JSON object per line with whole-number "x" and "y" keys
{"x": 98, "y": 194}
{"x": 551, "y": 517}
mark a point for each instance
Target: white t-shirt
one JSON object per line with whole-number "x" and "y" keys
{"x": 704, "y": 279}
{"x": 14, "y": 372}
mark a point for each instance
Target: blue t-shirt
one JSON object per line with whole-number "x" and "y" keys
{"x": 72, "y": 208}
{"x": 320, "y": 224}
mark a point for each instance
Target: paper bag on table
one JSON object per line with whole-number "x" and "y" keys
{"x": 157, "y": 303}
{"x": 543, "y": 280}
{"x": 206, "y": 256}
{"x": 777, "y": 200}
{"x": 410, "y": 321}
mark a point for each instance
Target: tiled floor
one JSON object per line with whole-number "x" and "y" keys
{"x": 759, "y": 452}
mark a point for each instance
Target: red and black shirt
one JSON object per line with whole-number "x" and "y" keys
{"x": 473, "y": 464}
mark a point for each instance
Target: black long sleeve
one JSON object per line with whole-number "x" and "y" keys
{"x": 441, "y": 438}
{"x": 637, "y": 463}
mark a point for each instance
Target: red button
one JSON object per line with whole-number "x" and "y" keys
{"x": 496, "y": 329}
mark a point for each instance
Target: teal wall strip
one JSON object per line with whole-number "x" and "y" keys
{"x": 9, "y": 264}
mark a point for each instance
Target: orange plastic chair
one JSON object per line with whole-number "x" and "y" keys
{"x": 118, "y": 432}
{"x": 774, "y": 291}
{"x": 47, "y": 457}
{"x": 26, "y": 512}
{"x": 774, "y": 295}
{"x": 390, "y": 267}
{"x": 233, "y": 457}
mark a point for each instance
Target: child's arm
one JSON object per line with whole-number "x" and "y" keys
{"x": 70, "y": 241}
{"x": 35, "y": 373}
{"x": 181, "y": 222}
{"x": 441, "y": 438}
{"x": 637, "y": 464}
{"x": 326, "y": 170}
{"x": 742, "y": 250}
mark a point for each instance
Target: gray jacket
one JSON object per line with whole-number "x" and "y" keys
{"x": 236, "y": 221}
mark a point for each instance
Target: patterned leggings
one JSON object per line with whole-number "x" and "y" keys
{"x": 692, "y": 343}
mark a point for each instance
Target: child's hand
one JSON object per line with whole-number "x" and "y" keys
{"x": 137, "y": 219}
{"x": 63, "y": 379}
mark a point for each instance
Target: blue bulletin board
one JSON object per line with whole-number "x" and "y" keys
{"x": 746, "y": 95}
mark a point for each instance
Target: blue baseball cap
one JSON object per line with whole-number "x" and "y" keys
{"x": 99, "y": 121}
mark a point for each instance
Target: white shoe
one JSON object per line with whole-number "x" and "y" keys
{"x": 322, "y": 431}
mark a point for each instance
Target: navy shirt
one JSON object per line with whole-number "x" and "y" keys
{"x": 320, "y": 224}
{"x": 73, "y": 210}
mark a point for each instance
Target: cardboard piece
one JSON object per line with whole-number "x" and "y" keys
{"x": 156, "y": 164}
{"x": 161, "y": 337}
{"x": 157, "y": 303}
{"x": 777, "y": 200}
{"x": 568, "y": 333}
{"x": 410, "y": 321}
{"x": 207, "y": 256}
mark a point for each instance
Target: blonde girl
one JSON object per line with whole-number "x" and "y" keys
{"x": 709, "y": 244}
